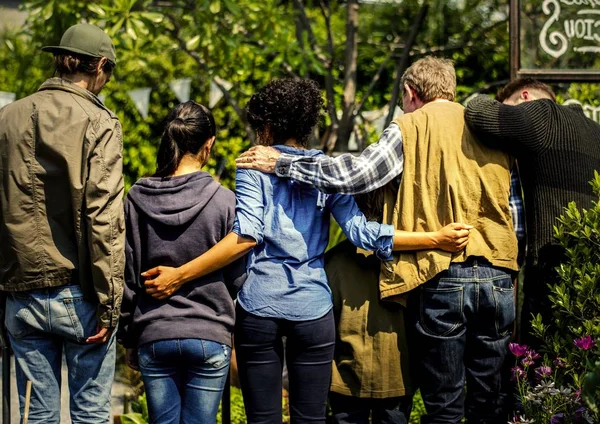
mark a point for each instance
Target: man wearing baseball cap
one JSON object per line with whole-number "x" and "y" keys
{"x": 62, "y": 231}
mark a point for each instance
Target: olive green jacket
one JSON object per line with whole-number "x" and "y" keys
{"x": 61, "y": 196}
{"x": 371, "y": 358}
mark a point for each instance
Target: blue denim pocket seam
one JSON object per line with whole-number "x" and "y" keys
{"x": 216, "y": 359}
{"x": 19, "y": 318}
{"x": 145, "y": 354}
{"x": 75, "y": 321}
{"x": 446, "y": 290}
{"x": 500, "y": 294}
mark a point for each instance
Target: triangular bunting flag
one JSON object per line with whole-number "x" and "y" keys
{"x": 141, "y": 98}
{"x": 215, "y": 92}
{"x": 6, "y": 98}
{"x": 181, "y": 88}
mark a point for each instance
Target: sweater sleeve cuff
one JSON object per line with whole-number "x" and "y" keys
{"x": 385, "y": 243}
{"x": 284, "y": 165}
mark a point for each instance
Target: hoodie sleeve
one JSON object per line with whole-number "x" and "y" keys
{"x": 234, "y": 273}
{"x": 132, "y": 277}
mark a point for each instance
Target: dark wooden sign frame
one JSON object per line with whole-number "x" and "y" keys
{"x": 551, "y": 75}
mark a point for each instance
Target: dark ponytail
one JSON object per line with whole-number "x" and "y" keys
{"x": 189, "y": 126}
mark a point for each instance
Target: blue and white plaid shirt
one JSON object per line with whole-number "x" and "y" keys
{"x": 375, "y": 167}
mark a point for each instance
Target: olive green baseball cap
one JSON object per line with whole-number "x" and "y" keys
{"x": 85, "y": 39}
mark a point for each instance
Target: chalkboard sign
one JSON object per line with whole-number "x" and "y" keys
{"x": 555, "y": 39}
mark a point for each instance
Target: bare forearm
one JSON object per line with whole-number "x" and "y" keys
{"x": 231, "y": 248}
{"x": 406, "y": 240}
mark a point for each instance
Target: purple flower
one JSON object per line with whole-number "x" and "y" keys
{"x": 560, "y": 363}
{"x": 579, "y": 414}
{"x": 526, "y": 362}
{"x": 585, "y": 343}
{"x": 517, "y": 349}
{"x": 557, "y": 419}
{"x": 533, "y": 355}
{"x": 517, "y": 374}
{"x": 543, "y": 371}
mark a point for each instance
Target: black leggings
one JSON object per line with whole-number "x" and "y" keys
{"x": 309, "y": 354}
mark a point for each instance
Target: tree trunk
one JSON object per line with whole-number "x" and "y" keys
{"x": 346, "y": 124}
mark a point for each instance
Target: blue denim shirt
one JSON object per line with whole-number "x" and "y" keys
{"x": 290, "y": 223}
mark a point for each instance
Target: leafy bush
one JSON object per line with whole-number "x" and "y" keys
{"x": 563, "y": 386}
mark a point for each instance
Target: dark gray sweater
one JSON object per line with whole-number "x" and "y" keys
{"x": 171, "y": 221}
{"x": 557, "y": 149}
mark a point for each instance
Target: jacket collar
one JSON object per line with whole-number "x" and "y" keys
{"x": 66, "y": 85}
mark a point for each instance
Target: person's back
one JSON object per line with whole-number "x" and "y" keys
{"x": 558, "y": 149}
{"x": 371, "y": 366}
{"x": 181, "y": 343}
{"x": 61, "y": 223}
{"x": 170, "y": 221}
{"x": 286, "y": 276}
{"x": 448, "y": 177}
{"x": 46, "y": 146}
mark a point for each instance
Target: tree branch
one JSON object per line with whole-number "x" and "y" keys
{"x": 350, "y": 67}
{"x": 175, "y": 33}
{"x": 329, "y": 65}
{"x": 375, "y": 79}
{"x": 403, "y": 61}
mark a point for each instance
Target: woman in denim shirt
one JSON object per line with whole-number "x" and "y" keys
{"x": 285, "y": 227}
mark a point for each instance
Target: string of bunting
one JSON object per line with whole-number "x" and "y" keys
{"x": 141, "y": 96}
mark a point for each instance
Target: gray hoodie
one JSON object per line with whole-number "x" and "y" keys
{"x": 170, "y": 221}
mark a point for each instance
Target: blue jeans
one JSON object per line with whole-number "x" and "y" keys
{"x": 309, "y": 355}
{"x": 42, "y": 325}
{"x": 184, "y": 379}
{"x": 462, "y": 323}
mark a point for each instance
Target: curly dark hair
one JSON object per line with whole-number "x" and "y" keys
{"x": 285, "y": 109}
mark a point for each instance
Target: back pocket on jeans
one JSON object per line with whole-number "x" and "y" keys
{"x": 19, "y": 320}
{"x": 504, "y": 299}
{"x": 441, "y": 309}
{"x": 83, "y": 317}
{"x": 216, "y": 354}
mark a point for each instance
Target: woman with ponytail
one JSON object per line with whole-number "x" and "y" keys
{"x": 181, "y": 345}
{"x": 284, "y": 226}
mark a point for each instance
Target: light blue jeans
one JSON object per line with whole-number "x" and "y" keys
{"x": 42, "y": 325}
{"x": 184, "y": 379}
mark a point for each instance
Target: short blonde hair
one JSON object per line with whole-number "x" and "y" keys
{"x": 431, "y": 78}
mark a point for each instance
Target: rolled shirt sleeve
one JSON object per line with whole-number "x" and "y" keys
{"x": 249, "y": 206}
{"x": 368, "y": 235}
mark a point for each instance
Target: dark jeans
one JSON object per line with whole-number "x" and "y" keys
{"x": 463, "y": 320}
{"x": 354, "y": 410}
{"x": 309, "y": 354}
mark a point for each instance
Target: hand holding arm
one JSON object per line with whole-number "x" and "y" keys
{"x": 451, "y": 238}
{"x": 168, "y": 279}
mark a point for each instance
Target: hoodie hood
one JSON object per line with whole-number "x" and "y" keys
{"x": 173, "y": 200}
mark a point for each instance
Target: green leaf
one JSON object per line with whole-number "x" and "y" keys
{"x": 193, "y": 43}
{"x": 133, "y": 418}
{"x": 215, "y": 6}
